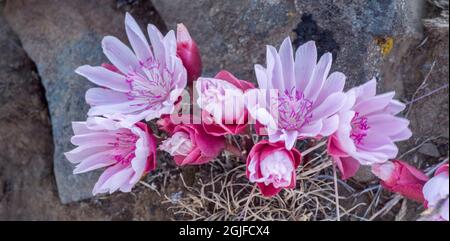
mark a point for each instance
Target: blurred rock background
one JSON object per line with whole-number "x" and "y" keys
{"x": 404, "y": 43}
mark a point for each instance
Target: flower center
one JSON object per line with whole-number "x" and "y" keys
{"x": 294, "y": 110}
{"x": 359, "y": 128}
{"x": 152, "y": 83}
{"x": 124, "y": 146}
{"x": 277, "y": 169}
{"x": 178, "y": 144}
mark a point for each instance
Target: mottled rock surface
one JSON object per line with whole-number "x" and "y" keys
{"x": 59, "y": 36}
{"x": 418, "y": 70}
{"x": 402, "y": 42}
{"x": 233, "y": 34}
{"x": 28, "y": 189}
{"x": 362, "y": 35}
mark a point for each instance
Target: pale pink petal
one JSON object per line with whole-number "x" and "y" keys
{"x": 330, "y": 106}
{"x": 120, "y": 55}
{"x": 330, "y": 125}
{"x": 139, "y": 163}
{"x": 312, "y": 129}
{"x": 291, "y": 138}
{"x": 123, "y": 108}
{"x": 305, "y": 62}
{"x": 80, "y": 153}
{"x": 137, "y": 39}
{"x": 367, "y": 90}
{"x": 101, "y": 96}
{"x": 433, "y": 189}
{"x": 170, "y": 44}
{"x": 261, "y": 76}
{"x": 118, "y": 179}
{"x": 334, "y": 83}
{"x": 110, "y": 171}
{"x": 319, "y": 76}
{"x": 444, "y": 210}
{"x": 401, "y": 136}
{"x": 99, "y": 137}
{"x": 395, "y": 107}
{"x": 95, "y": 161}
{"x": 79, "y": 127}
{"x": 156, "y": 42}
{"x": 104, "y": 77}
{"x": 350, "y": 102}
{"x": 287, "y": 58}
{"x": 387, "y": 124}
{"x": 277, "y": 71}
{"x": 373, "y": 104}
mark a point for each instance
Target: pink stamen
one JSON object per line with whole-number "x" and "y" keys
{"x": 294, "y": 110}
{"x": 125, "y": 146}
{"x": 150, "y": 83}
{"x": 359, "y": 128}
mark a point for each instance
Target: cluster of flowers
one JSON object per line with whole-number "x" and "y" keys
{"x": 296, "y": 98}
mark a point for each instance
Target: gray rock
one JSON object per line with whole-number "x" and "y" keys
{"x": 423, "y": 61}
{"x": 232, "y": 34}
{"x": 25, "y": 132}
{"x": 361, "y": 34}
{"x": 429, "y": 149}
{"x": 59, "y": 36}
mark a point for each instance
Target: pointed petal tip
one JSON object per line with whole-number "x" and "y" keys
{"x": 183, "y": 33}
{"x": 81, "y": 69}
{"x": 129, "y": 20}
{"x": 287, "y": 40}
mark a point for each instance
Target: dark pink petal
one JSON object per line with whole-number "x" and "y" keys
{"x": 189, "y": 53}
{"x": 347, "y": 165}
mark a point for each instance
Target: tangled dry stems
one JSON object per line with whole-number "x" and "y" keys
{"x": 222, "y": 192}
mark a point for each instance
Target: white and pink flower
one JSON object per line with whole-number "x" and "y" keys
{"x": 436, "y": 193}
{"x": 306, "y": 98}
{"x": 400, "y": 177}
{"x": 222, "y": 102}
{"x": 188, "y": 143}
{"x": 272, "y": 166}
{"x": 368, "y": 129}
{"x": 148, "y": 81}
{"x": 189, "y": 53}
{"x": 128, "y": 153}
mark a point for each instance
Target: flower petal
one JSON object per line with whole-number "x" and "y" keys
{"x": 334, "y": 83}
{"x": 330, "y": 125}
{"x": 137, "y": 39}
{"x": 97, "y": 160}
{"x": 101, "y": 96}
{"x": 305, "y": 62}
{"x": 373, "y": 104}
{"x": 287, "y": 60}
{"x": 319, "y": 76}
{"x": 119, "y": 54}
{"x": 277, "y": 70}
{"x": 104, "y": 77}
{"x": 156, "y": 39}
{"x": 330, "y": 106}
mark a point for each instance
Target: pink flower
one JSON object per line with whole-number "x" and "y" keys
{"x": 272, "y": 166}
{"x": 436, "y": 192}
{"x": 188, "y": 51}
{"x": 368, "y": 129}
{"x": 127, "y": 152}
{"x": 222, "y": 101}
{"x": 142, "y": 84}
{"x": 307, "y": 99}
{"x": 400, "y": 177}
{"x": 189, "y": 144}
